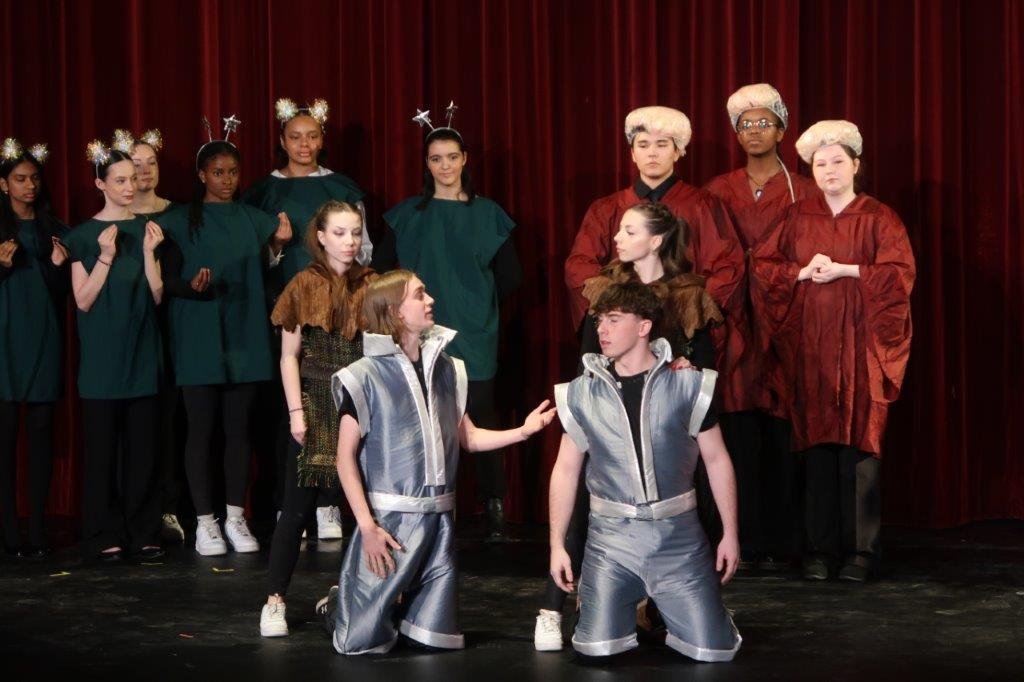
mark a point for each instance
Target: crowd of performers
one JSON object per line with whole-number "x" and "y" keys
{"x": 740, "y": 345}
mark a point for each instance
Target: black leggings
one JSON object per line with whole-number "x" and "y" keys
{"x": 298, "y": 508}
{"x": 204, "y": 404}
{"x": 575, "y": 541}
{"x": 490, "y": 466}
{"x": 39, "y": 429}
{"x": 843, "y": 515}
{"x": 130, "y": 515}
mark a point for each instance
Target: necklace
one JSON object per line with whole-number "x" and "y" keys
{"x": 759, "y": 186}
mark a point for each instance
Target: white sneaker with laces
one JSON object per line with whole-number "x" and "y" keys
{"x": 328, "y": 523}
{"x": 547, "y": 635}
{"x": 272, "y": 620}
{"x": 239, "y": 535}
{"x": 209, "y": 541}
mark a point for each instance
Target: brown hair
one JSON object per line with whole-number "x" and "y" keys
{"x": 341, "y": 287}
{"x": 675, "y": 237}
{"x": 631, "y": 297}
{"x": 381, "y": 301}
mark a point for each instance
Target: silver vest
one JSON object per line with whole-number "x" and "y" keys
{"x": 410, "y": 447}
{"x": 673, "y": 407}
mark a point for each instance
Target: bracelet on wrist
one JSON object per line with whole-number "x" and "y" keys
{"x": 100, "y": 260}
{"x": 297, "y": 409}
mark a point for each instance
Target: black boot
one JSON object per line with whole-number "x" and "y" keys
{"x": 494, "y": 520}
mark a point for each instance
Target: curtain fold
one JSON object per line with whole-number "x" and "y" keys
{"x": 542, "y": 89}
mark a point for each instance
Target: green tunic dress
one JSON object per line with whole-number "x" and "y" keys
{"x": 450, "y": 246}
{"x": 120, "y": 350}
{"x": 162, "y": 310}
{"x": 225, "y": 340}
{"x": 30, "y": 330}
{"x": 299, "y": 198}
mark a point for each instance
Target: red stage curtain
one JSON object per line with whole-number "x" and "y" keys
{"x": 543, "y": 87}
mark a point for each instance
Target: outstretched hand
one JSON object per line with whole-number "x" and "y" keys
{"x": 537, "y": 420}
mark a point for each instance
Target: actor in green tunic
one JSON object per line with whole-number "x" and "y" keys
{"x": 220, "y": 336}
{"x": 116, "y": 282}
{"x": 33, "y": 286}
{"x": 459, "y": 244}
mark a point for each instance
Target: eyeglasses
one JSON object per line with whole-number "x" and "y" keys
{"x": 761, "y": 124}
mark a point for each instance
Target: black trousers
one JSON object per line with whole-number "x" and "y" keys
{"x": 575, "y": 542}
{"x": 768, "y": 478}
{"x": 39, "y": 430}
{"x": 843, "y": 515}
{"x": 127, "y": 515}
{"x": 298, "y": 509}
{"x": 490, "y": 466}
{"x": 204, "y": 404}
{"x": 172, "y": 473}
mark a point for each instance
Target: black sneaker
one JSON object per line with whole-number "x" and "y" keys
{"x": 326, "y": 608}
{"x": 771, "y": 564}
{"x": 494, "y": 521}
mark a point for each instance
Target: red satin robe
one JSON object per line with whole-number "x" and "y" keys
{"x": 716, "y": 251}
{"x": 842, "y": 346}
{"x": 744, "y": 386}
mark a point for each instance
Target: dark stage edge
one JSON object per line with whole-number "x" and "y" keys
{"x": 950, "y": 606}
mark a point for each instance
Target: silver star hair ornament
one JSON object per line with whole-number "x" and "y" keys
{"x": 11, "y": 149}
{"x": 209, "y": 128}
{"x": 450, "y": 112}
{"x": 123, "y": 141}
{"x": 97, "y": 152}
{"x": 423, "y": 118}
{"x": 231, "y": 124}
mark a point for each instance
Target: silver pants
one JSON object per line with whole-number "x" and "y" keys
{"x": 670, "y": 561}
{"x": 425, "y": 578}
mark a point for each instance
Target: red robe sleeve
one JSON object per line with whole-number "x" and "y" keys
{"x": 591, "y": 250}
{"x": 886, "y": 284}
{"x": 717, "y": 254}
{"x": 773, "y": 277}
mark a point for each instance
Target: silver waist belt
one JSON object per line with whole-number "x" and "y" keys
{"x": 662, "y": 509}
{"x": 415, "y": 505}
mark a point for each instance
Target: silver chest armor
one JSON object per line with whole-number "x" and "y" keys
{"x": 410, "y": 448}
{"x": 673, "y": 407}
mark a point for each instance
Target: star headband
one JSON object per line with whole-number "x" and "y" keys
{"x": 124, "y": 141}
{"x": 12, "y": 149}
{"x": 231, "y": 124}
{"x": 286, "y": 109}
{"x": 423, "y": 119}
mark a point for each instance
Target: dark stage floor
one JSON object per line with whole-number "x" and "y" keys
{"x": 951, "y": 606}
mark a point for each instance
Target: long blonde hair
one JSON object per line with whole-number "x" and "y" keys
{"x": 381, "y": 302}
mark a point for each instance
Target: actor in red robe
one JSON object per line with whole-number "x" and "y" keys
{"x": 832, "y": 287}
{"x": 658, "y": 137}
{"x": 766, "y": 470}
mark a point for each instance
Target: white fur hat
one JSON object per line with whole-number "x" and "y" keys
{"x": 825, "y": 133}
{"x": 663, "y": 120}
{"x": 757, "y": 96}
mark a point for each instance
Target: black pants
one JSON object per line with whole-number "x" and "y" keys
{"x": 490, "y": 466}
{"x": 575, "y": 542}
{"x": 204, "y": 404}
{"x": 843, "y": 515}
{"x": 39, "y": 429}
{"x": 767, "y": 482}
{"x": 297, "y": 511}
{"x": 129, "y": 516}
{"x": 171, "y": 474}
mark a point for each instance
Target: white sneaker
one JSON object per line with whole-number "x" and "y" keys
{"x": 170, "y": 529}
{"x": 209, "y": 541}
{"x": 328, "y": 523}
{"x": 547, "y": 635}
{"x": 239, "y": 535}
{"x": 272, "y": 620}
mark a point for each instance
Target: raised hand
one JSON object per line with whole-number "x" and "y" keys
{"x": 59, "y": 254}
{"x": 202, "y": 280}
{"x": 283, "y": 234}
{"x": 377, "y": 546}
{"x": 537, "y": 420}
{"x": 154, "y": 235}
{"x": 7, "y": 250}
{"x": 108, "y": 243}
